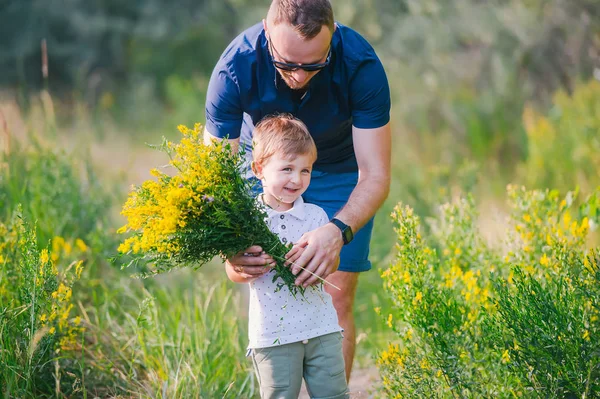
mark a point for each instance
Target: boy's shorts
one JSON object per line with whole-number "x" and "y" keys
{"x": 318, "y": 360}
{"x": 331, "y": 191}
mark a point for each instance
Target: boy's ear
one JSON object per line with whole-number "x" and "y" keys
{"x": 256, "y": 169}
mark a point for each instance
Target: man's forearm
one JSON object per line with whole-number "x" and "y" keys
{"x": 209, "y": 138}
{"x": 366, "y": 198}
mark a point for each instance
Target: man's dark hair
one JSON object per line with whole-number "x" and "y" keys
{"x": 306, "y": 16}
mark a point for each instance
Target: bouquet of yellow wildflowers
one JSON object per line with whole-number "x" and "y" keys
{"x": 202, "y": 210}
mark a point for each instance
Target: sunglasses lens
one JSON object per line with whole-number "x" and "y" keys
{"x": 312, "y": 68}
{"x": 291, "y": 68}
{"x": 284, "y": 67}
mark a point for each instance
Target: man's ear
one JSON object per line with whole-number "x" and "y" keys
{"x": 256, "y": 169}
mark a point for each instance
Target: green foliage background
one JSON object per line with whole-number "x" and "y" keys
{"x": 484, "y": 93}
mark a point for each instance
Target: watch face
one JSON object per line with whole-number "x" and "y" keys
{"x": 348, "y": 235}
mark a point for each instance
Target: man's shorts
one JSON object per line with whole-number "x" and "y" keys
{"x": 331, "y": 191}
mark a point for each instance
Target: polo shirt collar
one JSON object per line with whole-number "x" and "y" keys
{"x": 296, "y": 211}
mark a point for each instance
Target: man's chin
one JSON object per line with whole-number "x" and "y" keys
{"x": 295, "y": 85}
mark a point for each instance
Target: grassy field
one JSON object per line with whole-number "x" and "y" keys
{"x": 73, "y": 325}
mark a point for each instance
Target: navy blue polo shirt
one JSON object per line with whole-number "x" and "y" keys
{"x": 351, "y": 91}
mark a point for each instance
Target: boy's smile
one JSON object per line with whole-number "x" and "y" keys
{"x": 284, "y": 179}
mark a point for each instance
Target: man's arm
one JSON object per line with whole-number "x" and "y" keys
{"x": 323, "y": 245}
{"x": 210, "y": 138}
{"x": 373, "y": 149}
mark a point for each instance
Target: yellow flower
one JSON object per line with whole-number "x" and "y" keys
{"x": 586, "y": 335}
{"x": 52, "y": 330}
{"x": 81, "y": 245}
{"x": 389, "y": 320}
{"x": 44, "y": 256}
{"x": 544, "y": 261}
{"x": 418, "y": 298}
{"x": 567, "y": 219}
{"x": 67, "y": 248}
{"x": 527, "y": 218}
{"x": 457, "y": 251}
{"x": 505, "y": 356}
{"x": 78, "y": 269}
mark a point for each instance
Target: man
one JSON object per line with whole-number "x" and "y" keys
{"x": 300, "y": 62}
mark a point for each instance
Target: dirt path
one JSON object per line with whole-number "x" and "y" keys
{"x": 363, "y": 384}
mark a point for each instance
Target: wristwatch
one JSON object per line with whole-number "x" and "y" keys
{"x": 347, "y": 234}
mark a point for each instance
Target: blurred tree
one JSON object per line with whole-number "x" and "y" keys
{"x": 468, "y": 66}
{"x": 93, "y": 43}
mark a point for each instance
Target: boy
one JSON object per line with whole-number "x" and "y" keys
{"x": 290, "y": 338}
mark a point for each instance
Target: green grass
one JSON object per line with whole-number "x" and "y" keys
{"x": 182, "y": 334}
{"x": 177, "y": 336}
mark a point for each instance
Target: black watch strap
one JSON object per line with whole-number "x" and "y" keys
{"x": 347, "y": 234}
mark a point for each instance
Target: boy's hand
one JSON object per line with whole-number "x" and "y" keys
{"x": 250, "y": 263}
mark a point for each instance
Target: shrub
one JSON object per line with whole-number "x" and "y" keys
{"x": 476, "y": 320}
{"x": 564, "y": 146}
{"x": 36, "y": 323}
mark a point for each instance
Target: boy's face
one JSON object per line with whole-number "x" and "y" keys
{"x": 284, "y": 179}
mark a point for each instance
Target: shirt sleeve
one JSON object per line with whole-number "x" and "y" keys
{"x": 370, "y": 95}
{"x": 223, "y": 106}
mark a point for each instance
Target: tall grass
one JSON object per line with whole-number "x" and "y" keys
{"x": 181, "y": 339}
{"x": 36, "y": 322}
{"x": 61, "y": 192}
{"x": 107, "y": 334}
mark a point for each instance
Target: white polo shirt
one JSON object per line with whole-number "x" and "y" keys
{"x": 277, "y": 318}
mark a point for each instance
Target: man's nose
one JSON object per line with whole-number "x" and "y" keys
{"x": 299, "y": 75}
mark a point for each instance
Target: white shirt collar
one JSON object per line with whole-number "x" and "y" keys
{"x": 296, "y": 211}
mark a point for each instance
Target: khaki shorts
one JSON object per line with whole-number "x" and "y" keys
{"x": 319, "y": 361}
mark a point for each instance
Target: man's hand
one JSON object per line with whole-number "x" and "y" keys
{"x": 251, "y": 263}
{"x": 321, "y": 254}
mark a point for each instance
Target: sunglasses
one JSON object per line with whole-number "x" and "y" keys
{"x": 284, "y": 66}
